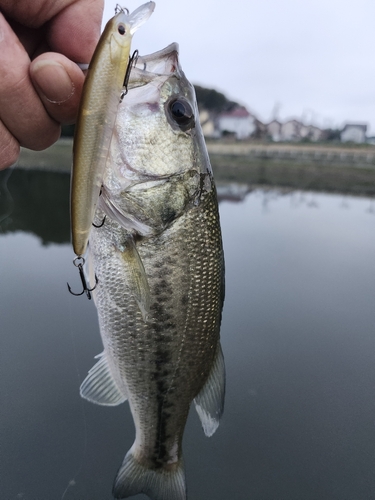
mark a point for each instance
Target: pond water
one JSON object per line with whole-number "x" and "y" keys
{"x": 298, "y": 336}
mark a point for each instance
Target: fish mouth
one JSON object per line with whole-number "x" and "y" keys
{"x": 163, "y": 63}
{"x": 154, "y": 82}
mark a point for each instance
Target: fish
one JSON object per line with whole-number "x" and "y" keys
{"x": 160, "y": 267}
{"x": 96, "y": 118}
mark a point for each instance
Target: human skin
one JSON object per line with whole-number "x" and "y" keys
{"x": 40, "y": 83}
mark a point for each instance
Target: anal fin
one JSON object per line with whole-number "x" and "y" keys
{"x": 99, "y": 386}
{"x": 210, "y": 401}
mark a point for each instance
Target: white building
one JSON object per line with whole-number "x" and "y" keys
{"x": 292, "y": 130}
{"x": 273, "y": 130}
{"x": 207, "y": 124}
{"x": 354, "y": 132}
{"x": 315, "y": 133}
{"x": 239, "y": 122}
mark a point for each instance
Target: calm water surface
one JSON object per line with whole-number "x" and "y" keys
{"x": 298, "y": 336}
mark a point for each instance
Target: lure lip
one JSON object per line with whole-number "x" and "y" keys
{"x": 140, "y": 15}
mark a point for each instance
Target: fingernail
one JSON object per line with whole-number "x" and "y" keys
{"x": 53, "y": 81}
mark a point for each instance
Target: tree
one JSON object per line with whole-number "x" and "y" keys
{"x": 212, "y": 100}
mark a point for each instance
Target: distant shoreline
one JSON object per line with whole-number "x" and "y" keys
{"x": 321, "y": 167}
{"x": 58, "y": 156}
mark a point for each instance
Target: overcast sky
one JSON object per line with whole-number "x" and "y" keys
{"x": 310, "y": 59}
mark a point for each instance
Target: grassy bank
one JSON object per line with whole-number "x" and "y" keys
{"x": 315, "y": 176}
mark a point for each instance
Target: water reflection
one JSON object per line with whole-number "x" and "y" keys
{"x": 35, "y": 201}
{"x": 298, "y": 337}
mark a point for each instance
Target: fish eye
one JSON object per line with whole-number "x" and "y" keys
{"x": 182, "y": 113}
{"x": 121, "y": 29}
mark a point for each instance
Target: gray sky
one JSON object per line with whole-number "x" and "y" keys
{"x": 310, "y": 59}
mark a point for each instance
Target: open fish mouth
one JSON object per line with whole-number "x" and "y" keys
{"x": 162, "y": 63}
{"x": 160, "y": 106}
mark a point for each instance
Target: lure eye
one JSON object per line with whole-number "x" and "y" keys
{"x": 121, "y": 29}
{"x": 182, "y": 113}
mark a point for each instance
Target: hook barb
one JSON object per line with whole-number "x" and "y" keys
{"x": 101, "y": 224}
{"x": 85, "y": 285}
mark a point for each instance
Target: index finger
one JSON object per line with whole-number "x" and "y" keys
{"x": 21, "y": 110}
{"x": 72, "y": 26}
{"x": 75, "y": 31}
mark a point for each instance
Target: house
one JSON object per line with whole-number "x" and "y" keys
{"x": 273, "y": 130}
{"x": 292, "y": 130}
{"x": 207, "y": 123}
{"x": 310, "y": 133}
{"x": 238, "y": 122}
{"x": 260, "y": 130}
{"x": 315, "y": 133}
{"x": 354, "y": 132}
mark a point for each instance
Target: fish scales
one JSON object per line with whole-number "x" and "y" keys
{"x": 159, "y": 262}
{"x": 170, "y": 355}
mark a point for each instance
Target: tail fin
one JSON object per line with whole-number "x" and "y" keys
{"x": 160, "y": 484}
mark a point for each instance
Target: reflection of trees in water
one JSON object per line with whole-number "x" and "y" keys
{"x": 236, "y": 192}
{"x": 232, "y": 191}
{"x": 35, "y": 201}
{"x": 305, "y": 199}
{"x": 371, "y": 208}
{"x": 269, "y": 195}
{"x": 345, "y": 202}
{"x": 6, "y": 200}
{"x": 313, "y": 177}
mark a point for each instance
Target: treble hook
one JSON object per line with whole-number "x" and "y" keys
{"x": 83, "y": 279}
{"x": 119, "y": 9}
{"x": 132, "y": 62}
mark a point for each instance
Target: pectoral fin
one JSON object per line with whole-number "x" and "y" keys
{"x": 99, "y": 386}
{"x": 126, "y": 220}
{"x": 137, "y": 279}
{"x": 210, "y": 401}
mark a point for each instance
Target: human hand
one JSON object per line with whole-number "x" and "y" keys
{"x": 40, "y": 83}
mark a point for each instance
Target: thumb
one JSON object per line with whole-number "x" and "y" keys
{"x": 58, "y": 82}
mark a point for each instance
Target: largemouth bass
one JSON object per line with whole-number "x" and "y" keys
{"x": 97, "y": 116}
{"x": 159, "y": 262}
